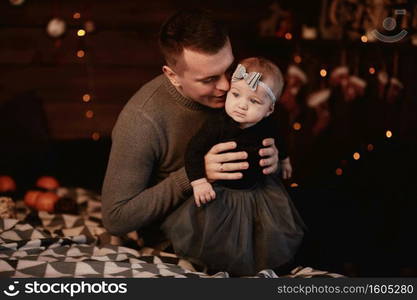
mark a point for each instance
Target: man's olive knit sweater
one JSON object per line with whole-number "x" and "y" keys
{"x": 145, "y": 178}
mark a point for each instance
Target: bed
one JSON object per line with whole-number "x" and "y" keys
{"x": 42, "y": 245}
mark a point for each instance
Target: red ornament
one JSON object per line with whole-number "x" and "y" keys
{"x": 47, "y": 182}
{"x": 7, "y": 184}
{"x": 46, "y": 201}
{"x": 31, "y": 198}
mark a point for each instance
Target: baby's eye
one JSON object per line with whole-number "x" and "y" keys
{"x": 254, "y": 101}
{"x": 235, "y": 94}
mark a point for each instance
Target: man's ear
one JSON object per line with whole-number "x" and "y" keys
{"x": 171, "y": 75}
{"x": 271, "y": 110}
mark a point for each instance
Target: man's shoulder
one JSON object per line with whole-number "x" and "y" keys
{"x": 145, "y": 96}
{"x": 139, "y": 107}
{"x": 150, "y": 100}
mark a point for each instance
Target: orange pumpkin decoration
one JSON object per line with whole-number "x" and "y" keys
{"x": 47, "y": 182}
{"x": 31, "y": 197}
{"x": 7, "y": 184}
{"x": 46, "y": 201}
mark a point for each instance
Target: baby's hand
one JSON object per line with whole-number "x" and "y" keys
{"x": 203, "y": 191}
{"x": 286, "y": 168}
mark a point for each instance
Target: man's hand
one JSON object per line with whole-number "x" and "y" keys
{"x": 218, "y": 164}
{"x": 286, "y": 168}
{"x": 270, "y": 156}
{"x": 203, "y": 191}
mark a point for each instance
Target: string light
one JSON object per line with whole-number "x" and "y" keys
{"x": 95, "y": 136}
{"x": 372, "y": 70}
{"x": 89, "y": 26}
{"x": 56, "y": 27}
{"x": 294, "y": 185}
{"x": 389, "y": 134}
{"x": 296, "y": 126}
{"x": 288, "y": 36}
{"x": 339, "y": 172}
{"x": 86, "y": 97}
{"x": 297, "y": 59}
{"x": 80, "y": 53}
{"x": 16, "y": 2}
{"x": 364, "y": 39}
{"x": 370, "y": 147}
{"x": 356, "y": 156}
{"x": 323, "y": 72}
{"x": 89, "y": 114}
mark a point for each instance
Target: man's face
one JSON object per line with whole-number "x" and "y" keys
{"x": 245, "y": 106}
{"x": 203, "y": 77}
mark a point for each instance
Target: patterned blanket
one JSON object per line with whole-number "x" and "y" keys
{"x": 39, "y": 244}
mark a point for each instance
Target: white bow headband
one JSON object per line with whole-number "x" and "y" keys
{"x": 253, "y": 79}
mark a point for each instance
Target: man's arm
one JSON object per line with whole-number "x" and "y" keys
{"x": 128, "y": 203}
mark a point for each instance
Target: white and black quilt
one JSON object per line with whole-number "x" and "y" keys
{"x": 41, "y": 245}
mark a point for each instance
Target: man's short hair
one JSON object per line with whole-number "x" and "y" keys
{"x": 194, "y": 29}
{"x": 269, "y": 71}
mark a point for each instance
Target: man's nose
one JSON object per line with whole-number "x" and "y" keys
{"x": 223, "y": 84}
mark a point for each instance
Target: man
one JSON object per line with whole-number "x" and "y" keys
{"x": 145, "y": 179}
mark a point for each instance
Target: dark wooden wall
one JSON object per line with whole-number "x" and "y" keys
{"x": 121, "y": 55}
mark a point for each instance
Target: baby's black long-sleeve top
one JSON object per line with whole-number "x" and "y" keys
{"x": 222, "y": 128}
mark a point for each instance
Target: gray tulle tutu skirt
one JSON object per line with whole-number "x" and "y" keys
{"x": 241, "y": 231}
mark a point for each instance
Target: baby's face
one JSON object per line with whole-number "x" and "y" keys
{"x": 245, "y": 106}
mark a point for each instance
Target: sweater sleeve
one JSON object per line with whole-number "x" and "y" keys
{"x": 128, "y": 203}
{"x": 280, "y": 132}
{"x": 281, "y": 144}
{"x": 198, "y": 147}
